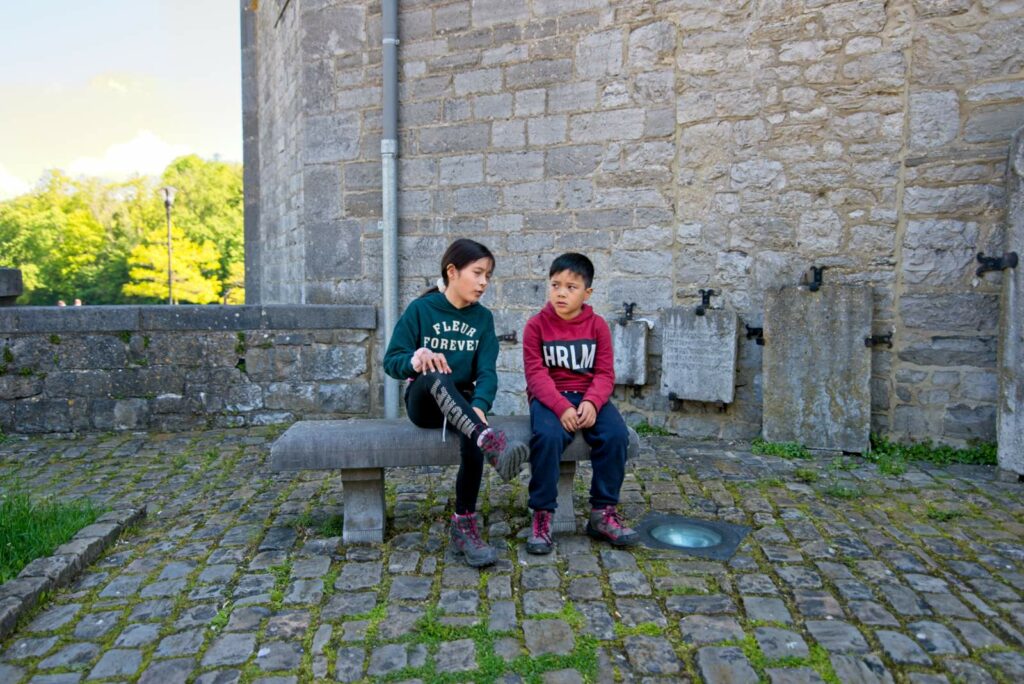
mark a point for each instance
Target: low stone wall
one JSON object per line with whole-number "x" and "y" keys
{"x": 75, "y": 369}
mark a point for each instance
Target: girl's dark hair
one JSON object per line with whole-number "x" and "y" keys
{"x": 460, "y": 254}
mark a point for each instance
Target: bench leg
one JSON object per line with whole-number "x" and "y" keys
{"x": 363, "y": 496}
{"x": 565, "y": 515}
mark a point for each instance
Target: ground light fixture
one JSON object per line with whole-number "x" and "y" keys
{"x": 712, "y": 539}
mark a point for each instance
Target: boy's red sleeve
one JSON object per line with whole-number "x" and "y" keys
{"x": 538, "y": 381}
{"x": 603, "y": 384}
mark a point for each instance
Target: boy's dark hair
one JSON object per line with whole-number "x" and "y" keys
{"x": 576, "y": 263}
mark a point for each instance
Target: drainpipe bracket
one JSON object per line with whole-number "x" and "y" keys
{"x": 388, "y": 146}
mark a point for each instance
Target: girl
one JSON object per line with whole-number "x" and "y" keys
{"x": 445, "y": 345}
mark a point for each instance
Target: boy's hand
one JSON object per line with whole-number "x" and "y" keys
{"x": 480, "y": 413}
{"x": 586, "y": 414}
{"x": 569, "y": 420}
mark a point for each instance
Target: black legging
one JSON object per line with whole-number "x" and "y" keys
{"x": 431, "y": 398}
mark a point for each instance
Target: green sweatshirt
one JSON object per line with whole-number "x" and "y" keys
{"x": 465, "y": 337}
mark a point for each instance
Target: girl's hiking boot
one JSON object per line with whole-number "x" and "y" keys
{"x": 606, "y": 523}
{"x": 466, "y": 539}
{"x": 539, "y": 541}
{"x": 506, "y": 457}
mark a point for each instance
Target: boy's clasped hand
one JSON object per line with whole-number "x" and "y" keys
{"x": 579, "y": 418}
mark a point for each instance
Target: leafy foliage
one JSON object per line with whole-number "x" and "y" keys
{"x": 106, "y": 243}
{"x": 645, "y": 428}
{"x": 781, "y": 449}
{"x": 884, "y": 451}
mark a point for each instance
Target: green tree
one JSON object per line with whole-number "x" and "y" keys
{"x": 195, "y": 268}
{"x": 209, "y": 207}
{"x": 79, "y": 238}
{"x": 55, "y": 238}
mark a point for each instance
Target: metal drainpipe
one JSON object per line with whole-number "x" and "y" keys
{"x": 389, "y": 189}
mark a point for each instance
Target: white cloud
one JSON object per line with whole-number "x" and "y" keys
{"x": 11, "y": 185}
{"x": 146, "y": 154}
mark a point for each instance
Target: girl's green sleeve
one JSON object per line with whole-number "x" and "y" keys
{"x": 486, "y": 373}
{"x": 398, "y": 357}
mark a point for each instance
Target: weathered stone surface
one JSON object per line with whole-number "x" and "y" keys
{"x": 1010, "y": 419}
{"x": 629, "y": 340}
{"x": 816, "y": 367}
{"x": 699, "y": 354}
{"x": 720, "y": 665}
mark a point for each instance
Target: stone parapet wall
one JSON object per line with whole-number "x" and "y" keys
{"x": 175, "y": 368}
{"x": 680, "y": 144}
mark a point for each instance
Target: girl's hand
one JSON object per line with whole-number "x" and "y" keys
{"x": 482, "y": 415}
{"x": 426, "y": 361}
{"x": 586, "y": 414}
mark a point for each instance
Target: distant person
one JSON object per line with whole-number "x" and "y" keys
{"x": 78, "y": 302}
{"x": 570, "y": 375}
{"x": 60, "y": 302}
{"x": 445, "y": 345}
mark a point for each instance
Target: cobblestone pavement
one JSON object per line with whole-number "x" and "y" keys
{"x": 238, "y": 575}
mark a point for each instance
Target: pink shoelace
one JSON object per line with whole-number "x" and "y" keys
{"x": 467, "y": 523}
{"x": 610, "y": 516}
{"x": 493, "y": 441}
{"x": 542, "y": 525}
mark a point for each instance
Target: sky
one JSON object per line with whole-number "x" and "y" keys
{"x": 113, "y": 88}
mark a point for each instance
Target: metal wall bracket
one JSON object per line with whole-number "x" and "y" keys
{"x": 876, "y": 340}
{"x": 815, "y": 284}
{"x": 675, "y": 402}
{"x": 512, "y": 337}
{"x": 705, "y": 300}
{"x": 999, "y": 263}
{"x": 628, "y": 312}
{"x": 756, "y": 334}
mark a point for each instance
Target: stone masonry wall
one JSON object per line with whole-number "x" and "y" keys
{"x": 682, "y": 144}
{"x": 174, "y": 368}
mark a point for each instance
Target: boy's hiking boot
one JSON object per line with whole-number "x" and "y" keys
{"x": 466, "y": 539}
{"x": 539, "y": 541}
{"x": 506, "y": 457}
{"x": 606, "y": 523}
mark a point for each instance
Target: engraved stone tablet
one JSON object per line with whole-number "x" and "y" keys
{"x": 698, "y": 358}
{"x": 1010, "y": 423}
{"x": 630, "y": 344}
{"x": 817, "y": 368}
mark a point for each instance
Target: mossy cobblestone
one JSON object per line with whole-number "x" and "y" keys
{"x": 236, "y": 577}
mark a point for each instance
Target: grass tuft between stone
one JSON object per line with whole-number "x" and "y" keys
{"x": 33, "y": 528}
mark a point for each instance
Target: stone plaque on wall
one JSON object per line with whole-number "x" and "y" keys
{"x": 629, "y": 341}
{"x": 1010, "y": 422}
{"x": 817, "y": 368}
{"x": 698, "y": 358}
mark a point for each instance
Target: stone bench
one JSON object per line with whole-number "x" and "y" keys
{"x": 361, "y": 449}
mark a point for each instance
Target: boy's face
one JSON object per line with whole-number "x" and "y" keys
{"x": 567, "y": 292}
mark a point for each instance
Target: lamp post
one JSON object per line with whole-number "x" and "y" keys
{"x": 168, "y": 193}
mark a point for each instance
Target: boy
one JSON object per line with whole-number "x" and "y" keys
{"x": 568, "y": 359}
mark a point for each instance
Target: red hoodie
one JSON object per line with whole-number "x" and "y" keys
{"x": 568, "y": 356}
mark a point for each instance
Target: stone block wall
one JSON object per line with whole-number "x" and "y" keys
{"x": 174, "y": 368}
{"x": 682, "y": 144}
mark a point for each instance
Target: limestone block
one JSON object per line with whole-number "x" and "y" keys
{"x": 934, "y": 119}
{"x": 1010, "y": 421}
{"x": 698, "y": 357}
{"x": 993, "y": 123}
{"x": 487, "y": 13}
{"x": 817, "y": 370}
{"x": 941, "y": 8}
{"x": 629, "y": 340}
{"x": 938, "y": 252}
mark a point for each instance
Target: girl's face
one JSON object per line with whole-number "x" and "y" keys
{"x": 467, "y": 286}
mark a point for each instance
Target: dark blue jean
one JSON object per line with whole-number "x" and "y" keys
{"x": 608, "y": 440}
